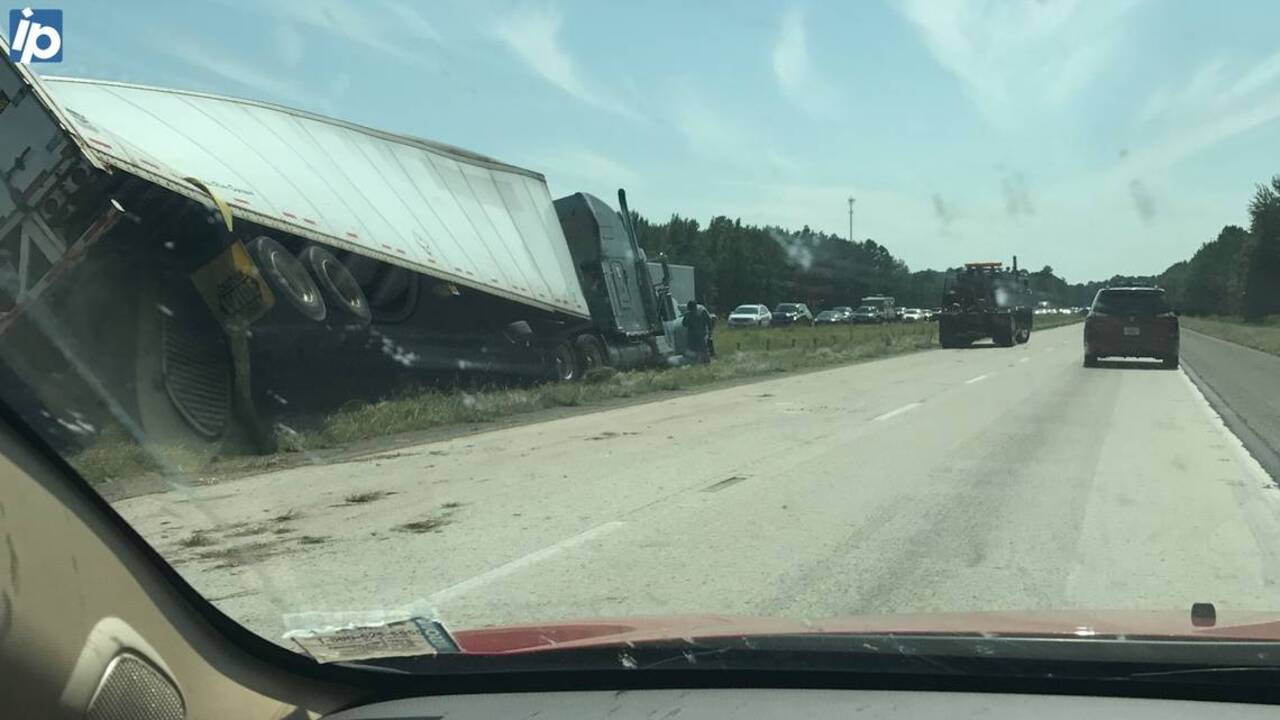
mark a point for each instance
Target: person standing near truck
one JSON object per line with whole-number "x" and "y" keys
{"x": 697, "y": 321}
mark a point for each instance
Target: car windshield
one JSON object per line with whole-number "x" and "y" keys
{"x": 374, "y": 315}
{"x": 1140, "y": 302}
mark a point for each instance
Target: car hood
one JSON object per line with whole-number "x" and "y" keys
{"x": 1131, "y": 624}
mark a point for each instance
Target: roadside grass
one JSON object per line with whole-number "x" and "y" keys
{"x": 1048, "y": 322}
{"x": 114, "y": 456}
{"x": 1264, "y": 336}
{"x": 741, "y": 354}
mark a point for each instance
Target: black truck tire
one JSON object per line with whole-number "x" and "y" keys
{"x": 947, "y": 336}
{"x": 1024, "y": 331}
{"x": 564, "y": 362}
{"x": 1170, "y": 362}
{"x": 1091, "y": 361}
{"x": 336, "y": 283}
{"x": 591, "y": 353}
{"x": 288, "y": 277}
{"x": 1006, "y": 335}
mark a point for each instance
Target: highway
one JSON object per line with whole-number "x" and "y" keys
{"x": 1243, "y": 385}
{"x": 942, "y": 481}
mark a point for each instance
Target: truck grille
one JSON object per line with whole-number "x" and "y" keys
{"x": 197, "y": 376}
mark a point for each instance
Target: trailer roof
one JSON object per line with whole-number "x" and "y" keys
{"x": 426, "y": 206}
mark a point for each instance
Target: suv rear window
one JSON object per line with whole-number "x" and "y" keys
{"x": 1137, "y": 302}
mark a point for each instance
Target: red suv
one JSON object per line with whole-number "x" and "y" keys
{"x": 1131, "y": 322}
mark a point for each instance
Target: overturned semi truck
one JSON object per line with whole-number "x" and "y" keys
{"x": 189, "y": 265}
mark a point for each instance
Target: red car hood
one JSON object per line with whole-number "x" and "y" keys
{"x": 1076, "y": 623}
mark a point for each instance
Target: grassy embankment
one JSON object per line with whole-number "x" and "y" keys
{"x": 741, "y": 354}
{"x": 1264, "y": 336}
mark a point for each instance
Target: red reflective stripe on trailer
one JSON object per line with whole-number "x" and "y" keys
{"x": 353, "y": 236}
{"x": 309, "y": 221}
{"x": 242, "y": 201}
{"x": 289, "y": 215}
{"x": 96, "y": 141}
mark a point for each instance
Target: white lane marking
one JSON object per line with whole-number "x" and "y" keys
{"x": 1025, "y": 359}
{"x": 980, "y": 378}
{"x": 893, "y": 413}
{"x": 520, "y": 563}
{"x": 1247, "y": 459}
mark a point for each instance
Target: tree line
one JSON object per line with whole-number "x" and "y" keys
{"x": 736, "y": 264}
{"x": 1238, "y": 272}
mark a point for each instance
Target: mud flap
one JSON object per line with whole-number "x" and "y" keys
{"x": 237, "y": 295}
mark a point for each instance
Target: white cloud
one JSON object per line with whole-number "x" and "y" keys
{"x": 794, "y": 71}
{"x": 573, "y": 169}
{"x": 1017, "y": 59}
{"x": 385, "y": 26}
{"x": 266, "y": 85}
{"x": 1216, "y": 102}
{"x": 714, "y": 137}
{"x": 533, "y": 34}
{"x": 289, "y": 44}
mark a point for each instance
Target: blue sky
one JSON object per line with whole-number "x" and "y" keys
{"x": 1099, "y": 137}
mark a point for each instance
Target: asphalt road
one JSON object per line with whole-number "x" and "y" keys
{"x": 1243, "y": 386}
{"x": 949, "y": 480}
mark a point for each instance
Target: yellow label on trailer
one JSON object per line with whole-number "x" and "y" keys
{"x": 233, "y": 287}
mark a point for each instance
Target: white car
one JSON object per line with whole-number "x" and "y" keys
{"x": 750, "y": 316}
{"x": 912, "y": 315}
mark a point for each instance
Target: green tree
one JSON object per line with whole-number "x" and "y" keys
{"x": 1262, "y": 282}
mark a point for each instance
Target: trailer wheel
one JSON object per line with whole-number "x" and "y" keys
{"x": 287, "y": 276}
{"x": 564, "y": 362}
{"x": 336, "y": 283}
{"x": 591, "y": 353}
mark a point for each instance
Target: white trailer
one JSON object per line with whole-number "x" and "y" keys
{"x": 229, "y": 257}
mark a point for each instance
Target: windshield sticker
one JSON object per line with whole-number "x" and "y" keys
{"x": 347, "y": 636}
